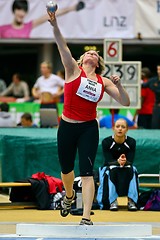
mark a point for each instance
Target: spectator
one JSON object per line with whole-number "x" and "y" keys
{"x": 2, "y": 85}
{"x": 19, "y": 29}
{"x": 61, "y": 74}
{"x": 109, "y": 120}
{"x": 48, "y": 87}
{"x": 17, "y": 89}
{"x": 144, "y": 115}
{"x": 6, "y": 119}
{"x": 119, "y": 152}
{"x": 154, "y": 84}
{"x": 27, "y": 121}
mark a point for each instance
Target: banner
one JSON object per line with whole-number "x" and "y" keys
{"x": 148, "y": 18}
{"x": 97, "y": 20}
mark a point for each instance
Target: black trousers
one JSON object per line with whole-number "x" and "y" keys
{"x": 144, "y": 121}
{"x": 156, "y": 117}
{"x": 121, "y": 178}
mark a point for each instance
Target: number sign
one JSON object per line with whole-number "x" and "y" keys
{"x": 130, "y": 74}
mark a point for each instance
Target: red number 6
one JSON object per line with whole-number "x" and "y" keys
{"x": 112, "y": 51}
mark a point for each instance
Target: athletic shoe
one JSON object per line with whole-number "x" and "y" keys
{"x": 66, "y": 205}
{"x": 86, "y": 222}
{"x": 80, "y": 6}
{"x": 114, "y": 206}
{"x": 132, "y": 206}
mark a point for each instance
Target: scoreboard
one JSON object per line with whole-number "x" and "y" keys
{"x": 129, "y": 72}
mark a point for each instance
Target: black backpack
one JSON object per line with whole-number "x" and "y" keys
{"x": 37, "y": 193}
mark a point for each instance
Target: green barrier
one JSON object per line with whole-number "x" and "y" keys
{"x": 24, "y": 151}
{"x": 17, "y": 109}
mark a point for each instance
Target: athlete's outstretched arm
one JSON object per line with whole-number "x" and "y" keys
{"x": 70, "y": 64}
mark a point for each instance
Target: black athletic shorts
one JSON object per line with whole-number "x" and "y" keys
{"x": 83, "y": 137}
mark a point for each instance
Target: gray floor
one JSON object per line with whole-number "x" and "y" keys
{"x": 13, "y": 237}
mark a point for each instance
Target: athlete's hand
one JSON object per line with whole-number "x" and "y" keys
{"x": 115, "y": 79}
{"x": 52, "y": 17}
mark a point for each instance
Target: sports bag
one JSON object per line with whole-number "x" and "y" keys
{"x": 153, "y": 204}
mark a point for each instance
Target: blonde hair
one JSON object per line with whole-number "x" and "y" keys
{"x": 121, "y": 119}
{"x": 101, "y": 65}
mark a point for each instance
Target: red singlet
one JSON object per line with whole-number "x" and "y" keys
{"x": 81, "y": 97}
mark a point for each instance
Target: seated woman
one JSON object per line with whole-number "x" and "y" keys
{"x": 122, "y": 177}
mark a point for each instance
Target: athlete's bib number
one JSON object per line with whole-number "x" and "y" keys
{"x": 89, "y": 90}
